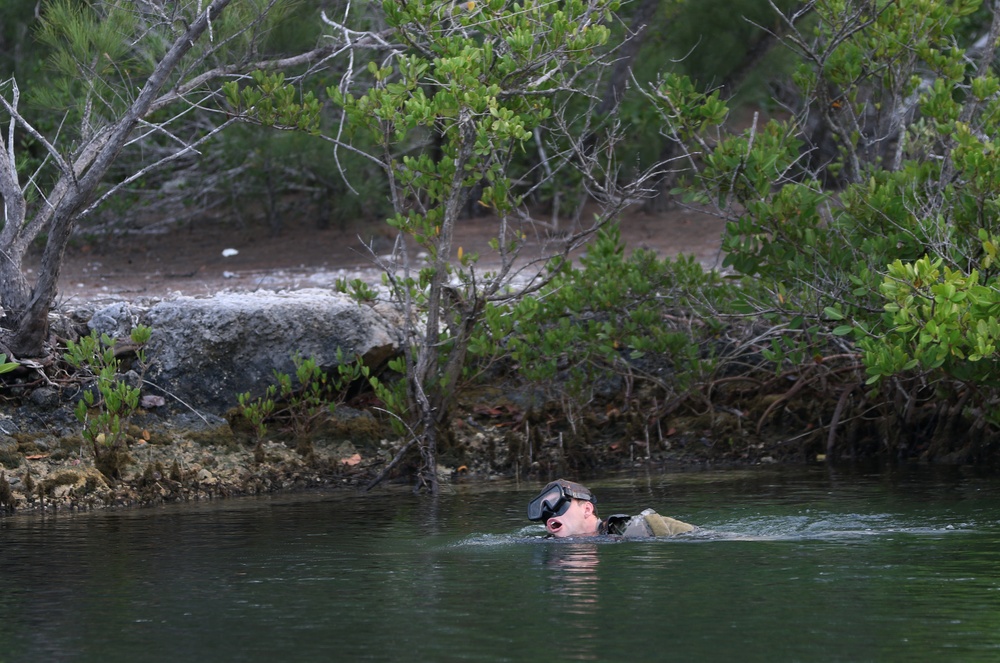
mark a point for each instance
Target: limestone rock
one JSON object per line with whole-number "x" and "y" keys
{"x": 208, "y": 350}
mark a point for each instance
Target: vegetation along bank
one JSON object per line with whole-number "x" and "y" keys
{"x": 849, "y": 149}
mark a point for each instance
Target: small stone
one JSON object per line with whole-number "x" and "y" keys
{"x": 115, "y": 320}
{"x": 133, "y": 379}
{"x": 150, "y": 401}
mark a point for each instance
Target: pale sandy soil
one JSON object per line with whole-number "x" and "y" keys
{"x": 190, "y": 259}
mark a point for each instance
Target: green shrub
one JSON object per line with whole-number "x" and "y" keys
{"x": 867, "y": 218}
{"x": 105, "y": 413}
{"x": 614, "y": 315}
{"x": 299, "y": 403}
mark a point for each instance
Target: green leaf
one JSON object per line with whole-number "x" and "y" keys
{"x": 832, "y": 313}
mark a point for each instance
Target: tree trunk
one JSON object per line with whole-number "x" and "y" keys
{"x": 426, "y": 377}
{"x": 622, "y": 72}
{"x": 14, "y": 290}
{"x": 33, "y": 326}
{"x": 428, "y": 454}
{"x": 78, "y": 186}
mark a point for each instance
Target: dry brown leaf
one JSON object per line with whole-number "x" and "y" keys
{"x": 351, "y": 460}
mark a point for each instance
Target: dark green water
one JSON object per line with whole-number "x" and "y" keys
{"x": 791, "y": 566}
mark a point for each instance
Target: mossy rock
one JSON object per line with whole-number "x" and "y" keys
{"x": 10, "y": 458}
{"x": 26, "y": 443}
{"x": 111, "y": 462}
{"x": 219, "y": 436}
{"x": 357, "y": 426}
{"x": 74, "y": 481}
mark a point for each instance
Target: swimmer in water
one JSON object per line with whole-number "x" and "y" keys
{"x": 569, "y": 509}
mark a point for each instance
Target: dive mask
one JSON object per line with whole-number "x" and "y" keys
{"x": 554, "y": 500}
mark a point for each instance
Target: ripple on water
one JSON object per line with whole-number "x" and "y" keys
{"x": 821, "y": 527}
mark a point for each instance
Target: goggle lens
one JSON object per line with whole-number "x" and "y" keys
{"x": 549, "y": 504}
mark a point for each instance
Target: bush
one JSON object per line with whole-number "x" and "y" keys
{"x": 869, "y": 216}
{"x": 105, "y": 411}
{"x": 635, "y": 320}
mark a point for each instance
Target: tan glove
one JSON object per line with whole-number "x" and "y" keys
{"x": 664, "y": 525}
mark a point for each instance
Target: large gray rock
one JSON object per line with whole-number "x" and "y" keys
{"x": 206, "y": 351}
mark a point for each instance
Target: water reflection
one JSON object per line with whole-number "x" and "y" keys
{"x": 786, "y": 568}
{"x": 572, "y": 575}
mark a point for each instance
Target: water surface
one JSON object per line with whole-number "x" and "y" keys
{"x": 789, "y": 565}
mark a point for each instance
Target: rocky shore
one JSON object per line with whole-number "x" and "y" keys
{"x": 185, "y": 442}
{"x": 185, "y": 459}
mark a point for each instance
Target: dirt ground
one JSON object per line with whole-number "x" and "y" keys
{"x": 199, "y": 259}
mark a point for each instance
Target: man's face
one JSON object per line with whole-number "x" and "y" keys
{"x": 579, "y": 520}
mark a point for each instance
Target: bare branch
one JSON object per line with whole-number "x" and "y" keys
{"x": 11, "y": 108}
{"x": 187, "y": 149}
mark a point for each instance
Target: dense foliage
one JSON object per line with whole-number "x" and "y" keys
{"x": 850, "y": 147}
{"x": 870, "y": 212}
